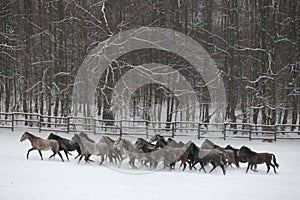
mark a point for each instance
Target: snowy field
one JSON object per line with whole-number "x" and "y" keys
{"x": 53, "y": 179}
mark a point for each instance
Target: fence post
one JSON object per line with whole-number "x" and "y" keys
{"x": 173, "y": 129}
{"x": 275, "y": 132}
{"x": 250, "y": 132}
{"x": 40, "y": 123}
{"x": 224, "y": 130}
{"x": 95, "y": 131}
{"x": 68, "y": 125}
{"x": 12, "y": 121}
{"x": 121, "y": 134}
{"x": 199, "y": 133}
{"x": 147, "y": 129}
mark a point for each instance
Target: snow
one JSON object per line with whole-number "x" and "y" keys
{"x": 52, "y": 179}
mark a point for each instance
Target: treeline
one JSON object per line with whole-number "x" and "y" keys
{"x": 255, "y": 44}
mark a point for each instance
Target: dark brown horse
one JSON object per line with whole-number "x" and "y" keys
{"x": 41, "y": 144}
{"x": 258, "y": 158}
{"x": 205, "y": 156}
{"x": 64, "y": 145}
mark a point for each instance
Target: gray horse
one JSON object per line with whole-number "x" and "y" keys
{"x": 90, "y": 148}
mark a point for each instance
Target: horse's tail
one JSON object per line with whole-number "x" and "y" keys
{"x": 274, "y": 160}
{"x": 222, "y": 159}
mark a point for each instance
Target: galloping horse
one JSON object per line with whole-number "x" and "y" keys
{"x": 65, "y": 143}
{"x": 258, "y": 158}
{"x": 89, "y": 148}
{"x": 41, "y": 144}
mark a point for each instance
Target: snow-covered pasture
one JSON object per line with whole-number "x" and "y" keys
{"x": 52, "y": 179}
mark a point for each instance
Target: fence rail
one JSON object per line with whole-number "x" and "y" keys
{"x": 146, "y": 128}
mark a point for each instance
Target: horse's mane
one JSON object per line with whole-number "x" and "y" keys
{"x": 31, "y": 135}
{"x": 231, "y": 148}
{"x": 251, "y": 153}
{"x": 160, "y": 137}
{"x": 52, "y": 135}
{"x": 109, "y": 139}
{"x": 86, "y": 137}
{"x": 193, "y": 148}
{"x": 170, "y": 139}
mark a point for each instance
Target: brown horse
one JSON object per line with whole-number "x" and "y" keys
{"x": 258, "y": 158}
{"x": 41, "y": 144}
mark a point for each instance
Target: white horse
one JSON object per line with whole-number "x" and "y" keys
{"x": 89, "y": 148}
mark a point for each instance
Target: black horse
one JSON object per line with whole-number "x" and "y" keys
{"x": 141, "y": 141}
{"x": 205, "y": 156}
{"x": 238, "y": 158}
{"x": 258, "y": 158}
{"x": 63, "y": 142}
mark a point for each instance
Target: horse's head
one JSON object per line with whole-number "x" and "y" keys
{"x": 24, "y": 137}
{"x": 141, "y": 141}
{"x": 74, "y": 139}
{"x": 124, "y": 144}
{"x": 51, "y": 136}
{"x": 191, "y": 147}
{"x": 156, "y": 138}
{"x": 117, "y": 143}
{"x": 170, "y": 140}
{"x": 228, "y": 147}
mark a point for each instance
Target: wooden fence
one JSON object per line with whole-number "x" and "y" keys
{"x": 144, "y": 128}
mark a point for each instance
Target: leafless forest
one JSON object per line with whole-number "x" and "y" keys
{"x": 255, "y": 43}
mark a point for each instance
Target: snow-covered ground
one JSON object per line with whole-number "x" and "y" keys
{"x": 53, "y": 179}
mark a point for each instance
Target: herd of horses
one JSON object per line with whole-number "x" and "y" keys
{"x": 151, "y": 153}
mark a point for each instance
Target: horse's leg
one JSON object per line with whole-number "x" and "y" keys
{"x": 155, "y": 163}
{"x": 255, "y": 167}
{"x": 121, "y": 161}
{"x": 248, "y": 167}
{"x": 52, "y": 155}
{"x": 145, "y": 163}
{"x": 87, "y": 158}
{"x": 184, "y": 165}
{"x": 273, "y": 168}
{"x": 66, "y": 152}
{"x": 223, "y": 168}
{"x": 130, "y": 162}
{"x": 60, "y": 156}
{"x": 28, "y": 152}
{"x": 193, "y": 165}
{"x": 81, "y": 156}
{"x": 172, "y": 165}
{"x": 214, "y": 167}
{"x": 102, "y": 159}
{"x": 40, "y": 154}
{"x": 133, "y": 165}
{"x": 79, "y": 152}
{"x": 236, "y": 162}
{"x": 202, "y": 167}
{"x": 268, "y": 166}
{"x": 77, "y": 156}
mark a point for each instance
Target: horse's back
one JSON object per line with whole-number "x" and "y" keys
{"x": 46, "y": 144}
{"x": 103, "y": 147}
{"x": 261, "y": 158}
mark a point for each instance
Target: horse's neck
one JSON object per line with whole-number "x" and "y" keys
{"x": 32, "y": 139}
{"x": 81, "y": 144}
{"x": 129, "y": 145}
{"x": 163, "y": 141}
{"x": 85, "y": 140}
{"x": 253, "y": 153}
